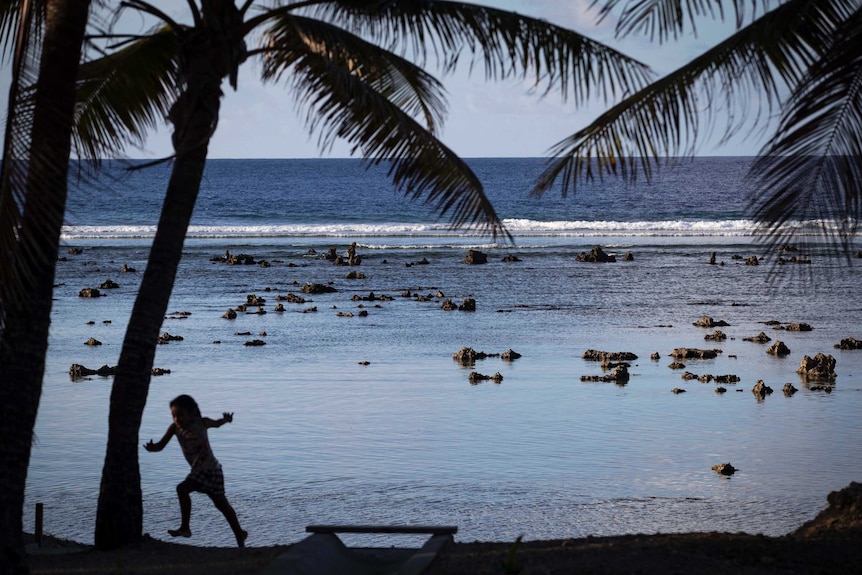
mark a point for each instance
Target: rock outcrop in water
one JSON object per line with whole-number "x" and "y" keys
{"x": 761, "y": 390}
{"x": 821, "y": 367}
{"x": 694, "y": 353}
{"x": 759, "y": 338}
{"x": 78, "y": 371}
{"x": 849, "y": 343}
{"x": 234, "y": 260}
{"x": 475, "y": 377}
{"x": 468, "y": 355}
{"x": 844, "y": 514}
{"x": 794, "y": 327}
{"x": 316, "y": 288}
{"x": 724, "y": 469}
{"x": 254, "y": 300}
{"x": 469, "y": 304}
{"x": 608, "y": 356}
{"x": 707, "y": 321}
{"x": 291, "y": 298}
{"x": 371, "y": 297}
{"x": 510, "y": 355}
{"x": 728, "y": 378}
{"x": 475, "y": 257}
{"x": 167, "y": 338}
{"x": 619, "y": 375}
{"x": 596, "y": 255}
{"x": 778, "y": 349}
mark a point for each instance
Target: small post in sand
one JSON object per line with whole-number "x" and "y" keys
{"x": 40, "y": 512}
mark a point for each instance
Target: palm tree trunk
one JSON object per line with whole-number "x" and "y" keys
{"x": 25, "y": 334}
{"x": 119, "y": 515}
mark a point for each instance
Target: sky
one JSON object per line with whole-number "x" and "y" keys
{"x": 485, "y": 119}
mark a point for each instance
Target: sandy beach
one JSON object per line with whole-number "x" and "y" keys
{"x": 830, "y": 543}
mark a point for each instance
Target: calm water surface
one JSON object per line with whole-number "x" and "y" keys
{"x": 321, "y": 437}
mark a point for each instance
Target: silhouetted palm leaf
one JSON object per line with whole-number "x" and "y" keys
{"x": 506, "y": 43}
{"x": 367, "y": 96}
{"x": 666, "y": 117}
{"x": 356, "y": 90}
{"x": 10, "y": 20}
{"x": 665, "y": 19}
{"x": 125, "y": 94}
{"x": 813, "y": 165}
{"x": 21, "y": 27}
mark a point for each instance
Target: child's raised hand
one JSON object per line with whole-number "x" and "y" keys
{"x": 228, "y": 417}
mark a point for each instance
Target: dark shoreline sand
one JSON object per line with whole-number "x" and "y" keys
{"x": 829, "y": 544}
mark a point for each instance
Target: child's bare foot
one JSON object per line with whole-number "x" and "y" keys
{"x": 181, "y": 532}
{"x": 240, "y": 539}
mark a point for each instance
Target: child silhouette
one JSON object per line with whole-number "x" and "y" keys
{"x": 206, "y": 474}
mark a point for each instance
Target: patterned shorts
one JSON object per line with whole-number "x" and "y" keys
{"x": 209, "y": 479}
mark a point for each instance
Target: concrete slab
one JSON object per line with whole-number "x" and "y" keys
{"x": 326, "y": 554}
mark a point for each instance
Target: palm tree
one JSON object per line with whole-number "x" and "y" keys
{"x": 336, "y": 56}
{"x": 801, "y": 57}
{"x": 48, "y": 39}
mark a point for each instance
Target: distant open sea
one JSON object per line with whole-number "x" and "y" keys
{"x": 343, "y": 417}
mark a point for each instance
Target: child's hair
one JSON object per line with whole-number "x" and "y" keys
{"x": 188, "y": 403}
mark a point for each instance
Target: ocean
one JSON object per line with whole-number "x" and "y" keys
{"x": 354, "y": 410}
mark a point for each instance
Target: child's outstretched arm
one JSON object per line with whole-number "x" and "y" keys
{"x": 225, "y": 418}
{"x": 150, "y": 446}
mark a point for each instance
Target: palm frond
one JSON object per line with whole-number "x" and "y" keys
{"x": 505, "y": 43}
{"x": 124, "y": 94}
{"x": 26, "y": 31}
{"x": 741, "y": 73}
{"x": 154, "y": 11}
{"x": 10, "y": 23}
{"x": 812, "y": 167}
{"x": 361, "y": 93}
{"x": 403, "y": 83}
{"x": 663, "y": 20}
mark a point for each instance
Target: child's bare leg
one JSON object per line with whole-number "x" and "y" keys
{"x": 184, "y": 490}
{"x": 224, "y": 506}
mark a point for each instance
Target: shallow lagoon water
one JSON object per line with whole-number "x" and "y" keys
{"x": 319, "y": 437}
